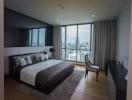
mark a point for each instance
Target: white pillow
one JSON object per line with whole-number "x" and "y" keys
{"x": 22, "y": 61}
{"x": 42, "y": 56}
{"x": 29, "y": 61}
{"x": 46, "y": 57}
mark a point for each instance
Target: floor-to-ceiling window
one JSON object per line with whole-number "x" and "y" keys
{"x": 77, "y": 41}
{"x": 71, "y": 42}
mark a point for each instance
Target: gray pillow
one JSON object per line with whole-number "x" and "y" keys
{"x": 28, "y": 60}
{"x": 22, "y": 61}
{"x": 37, "y": 57}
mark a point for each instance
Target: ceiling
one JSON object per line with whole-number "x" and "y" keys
{"x": 62, "y": 12}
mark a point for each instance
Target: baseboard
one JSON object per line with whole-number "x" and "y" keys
{"x": 80, "y": 64}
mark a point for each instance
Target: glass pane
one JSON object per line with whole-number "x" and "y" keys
{"x": 71, "y": 37}
{"x": 42, "y": 37}
{"x": 81, "y": 55}
{"x": 35, "y": 37}
{"x": 30, "y": 37}
{"x": 71, "y": 55}
{"x": 84, "y": 37}
{"x": 63, "y": 36}
{"x": 63, "y": 54}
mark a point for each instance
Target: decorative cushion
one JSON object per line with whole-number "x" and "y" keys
{"x": 46, "y": 57}
{"x": 16, "y": 61}
{"x": 37, "y": 57}
{"x": 24, "y": 60}
{"x": 42, "y": 56}
{"x": 20, "y": 61}
{"x": 28, "y": 60}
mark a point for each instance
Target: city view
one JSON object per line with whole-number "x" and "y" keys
{"x": 77, "y": 43}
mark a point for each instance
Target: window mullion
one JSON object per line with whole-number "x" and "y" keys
{"x": 90, "y": 36}
{"x": 77, "y": 44}
{"x": 91, "y": 31}
{"x": 38, "y": 38}
{"x": 65, "y": 40}
{"x": 31, "y": 37}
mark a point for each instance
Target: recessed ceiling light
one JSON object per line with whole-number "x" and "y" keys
{"x": 93, "y": 15}
{"x": 60, "y": 4}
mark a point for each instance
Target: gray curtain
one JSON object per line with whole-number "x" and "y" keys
{"x": 57, "y": 41}
{"x": 104, "y": 42}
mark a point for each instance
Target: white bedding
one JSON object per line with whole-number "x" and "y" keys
{"x": 28, "y": 74}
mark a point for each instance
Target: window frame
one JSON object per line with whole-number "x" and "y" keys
{"x": 91, "y": 40}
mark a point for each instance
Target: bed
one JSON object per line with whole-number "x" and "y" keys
{"x": 43, "y": 75}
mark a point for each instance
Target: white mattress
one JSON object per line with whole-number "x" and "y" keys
{"x": 28, "y": 74}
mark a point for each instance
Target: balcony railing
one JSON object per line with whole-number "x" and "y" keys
{"x": 77, "y": 55}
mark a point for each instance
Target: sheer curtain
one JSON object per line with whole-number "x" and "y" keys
{"x": 104, "y": 42}
{"x": 57, "y": 42}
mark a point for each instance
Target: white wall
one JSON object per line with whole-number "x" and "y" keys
{"x": 21, "y": 50}
{"x": 129, "y": 86}
{"x": 123, "y": 33}
{"x": 1, "y": 52}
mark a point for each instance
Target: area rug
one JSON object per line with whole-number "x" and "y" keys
{"x": 64, "y": 91}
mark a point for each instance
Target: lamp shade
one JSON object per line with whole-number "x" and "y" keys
{"x": 45, "y": 52}
{"x": 51, "y": 49}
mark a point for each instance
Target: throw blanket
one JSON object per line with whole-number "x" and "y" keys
{"x": 49, "y": 78}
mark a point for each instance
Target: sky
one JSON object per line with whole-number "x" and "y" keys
{"x": 83, "y": 33}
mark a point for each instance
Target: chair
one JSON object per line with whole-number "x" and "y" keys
{"x": 91, "y": 67}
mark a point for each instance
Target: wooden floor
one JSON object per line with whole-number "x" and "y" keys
{"x": 88, "y": 89}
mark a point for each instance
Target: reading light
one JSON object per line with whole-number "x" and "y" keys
{"x": 52, "y": 51}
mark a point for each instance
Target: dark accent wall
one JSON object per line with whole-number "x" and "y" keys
{"x": 49, "y": 36}
{"x": 16, "y": 23}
